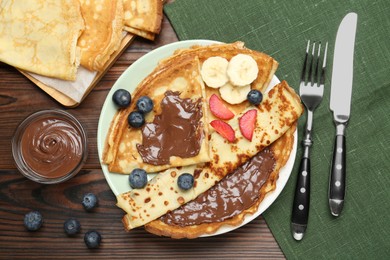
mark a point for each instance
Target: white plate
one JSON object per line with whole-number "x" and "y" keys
{"x": 130, "y": 78}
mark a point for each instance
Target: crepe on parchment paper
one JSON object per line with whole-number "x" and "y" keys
{"x": 280, "y": 150}
{"x": 121, "y": 152}
{"x": 40, "y": 36}
{"x": 103, "y": 32}
{"x": 277, "y": 113}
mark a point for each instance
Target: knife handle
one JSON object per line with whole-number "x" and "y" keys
{"x": 337, "y": 176}
{"x": 300, "y": 211}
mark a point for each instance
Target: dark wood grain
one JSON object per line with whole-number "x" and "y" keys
{"x": 18, "y": 98}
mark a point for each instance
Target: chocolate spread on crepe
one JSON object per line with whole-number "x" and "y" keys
{"x": 280, "y": 150}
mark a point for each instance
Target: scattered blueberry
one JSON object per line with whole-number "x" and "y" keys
{"x": 136, "y": 119}
{"x": 72, "y": 227}
{"x": 33, "y": 220}
{"x": 92, "y": 239}
{"x": 185, "y": 181}
{"x": 255, "y": 97}
{"x": 144, "y": 104}
{"x": 121, "y": 98}
{"x": 90, "y": 201}
{"x": 138, "y": 178}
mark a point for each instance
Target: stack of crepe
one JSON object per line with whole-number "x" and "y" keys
{"x": 276, "y": 120}
{"x": 53, "y": 37}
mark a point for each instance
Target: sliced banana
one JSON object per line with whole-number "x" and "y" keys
{"x": 242, "y": 70}
{"x": 234, "y": 95}
{"x": 213, "y": 71}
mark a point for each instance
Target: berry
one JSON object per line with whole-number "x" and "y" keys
{"x": 185, "y": 181}
{"x": 33, "y": 220}
{"x": 218, "y": 108}
{"x": 224, "y": 129}
{"x": 138, "y": 178}
{"x": 90, "y": 201}
{"x": 255, "y": 97}
{"x": 72, "y": 227}
{"x": 247, "y": 123}
{"x": 92, "y": 239}
{"x": 144, "y": 104}
{"x": 136, "y": 119}
{"x": 121, "y": 98}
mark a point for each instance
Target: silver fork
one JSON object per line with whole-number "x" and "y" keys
{"x": 311, "y": 90}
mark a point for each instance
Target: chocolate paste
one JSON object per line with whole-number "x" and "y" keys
{"x": 176, "y": 131}
{"x": 51, "y": 146}
{"x": 233, "y": 194}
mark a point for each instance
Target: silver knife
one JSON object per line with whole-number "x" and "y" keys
{"x": 340, "y": 104}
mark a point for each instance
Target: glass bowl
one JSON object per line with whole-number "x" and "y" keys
{"x": 50, "y": 146}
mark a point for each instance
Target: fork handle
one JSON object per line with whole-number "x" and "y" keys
{"x": 300, "y": 211}
{"x": 337, "y": 176}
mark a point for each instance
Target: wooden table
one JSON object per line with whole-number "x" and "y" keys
{"x": 18, "y": 195}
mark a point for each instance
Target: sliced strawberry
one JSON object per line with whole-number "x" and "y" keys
{"x": 218, "y": 108}
{"x": 247, "y": 123}
{"x": 224, "y": 129}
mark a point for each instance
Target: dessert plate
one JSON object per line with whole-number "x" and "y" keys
{"x": 129, "y": 80}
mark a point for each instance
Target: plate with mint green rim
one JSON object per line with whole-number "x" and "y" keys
{"x": 129, "y": 80}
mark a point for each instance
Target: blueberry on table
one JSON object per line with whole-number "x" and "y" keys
{"x": 92, "y": 239}
{"x": 136, "y": 119}
{"x": 90, "y": 201}
{"x": 138, "y": 178}
{"x": 255, "y": 97}
{"x": 33, "y": 220}
{"x": 185, "y": 181}
{"x": 72, "y": 227}
{"x": 144, "y": 104}
{"x": 121, "y": 98}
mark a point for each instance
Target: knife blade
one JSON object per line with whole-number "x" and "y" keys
{"x": 340, "y": 104}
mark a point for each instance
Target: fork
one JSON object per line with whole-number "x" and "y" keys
{"x": 311, "y": 90}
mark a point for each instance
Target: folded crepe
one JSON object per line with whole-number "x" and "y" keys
{"x": 276, "y": 114}
{"x": 103, "y": 32}
{"x": 143, "y": 16}
{"x": 237, "y": 195}
{"x": 179, "y": 86}
{"x": 40, "y": 36}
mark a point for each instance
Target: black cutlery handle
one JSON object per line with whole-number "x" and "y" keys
{"x": 300, "y": 211}
{"x": 337, "y": 176}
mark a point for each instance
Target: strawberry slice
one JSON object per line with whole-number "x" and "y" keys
{"x": 247, "y": 123}
{"x": 224, "y": 129}
{"x": 218, "y": 108}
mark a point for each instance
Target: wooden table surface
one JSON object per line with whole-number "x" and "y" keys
{"x": 18, "y": 98}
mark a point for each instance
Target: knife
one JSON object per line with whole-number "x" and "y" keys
{"x": 340, "y": 104}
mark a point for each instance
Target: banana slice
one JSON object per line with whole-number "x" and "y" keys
{"x": 234, "y": 95}
{"x": 242, "y": 70}
{"x": 213, "y": 71}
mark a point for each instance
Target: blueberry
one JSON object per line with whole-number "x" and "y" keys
{"x": 92, "y": 239}
{"x": 33, "y": 220}
{"x": 138, "y": 178}
{"x": 144, "y": 104}
{"x": 90, "y": 201}
{"x": 136, "y": 119}
{"x": 121, "y": 98}
{"x": 255, "y": 97}
{"x": 72, "y": 227}
{"x": 185, "y": 181}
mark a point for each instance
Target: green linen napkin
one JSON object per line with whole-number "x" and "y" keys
{"x": 281, "y": 29}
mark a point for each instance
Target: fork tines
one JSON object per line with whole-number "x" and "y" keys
{"x": 314, "y": 64}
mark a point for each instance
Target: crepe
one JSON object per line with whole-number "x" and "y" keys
{"x": 40, "y": 36}
{"x": 277, "y": 113}
{"x": 280, "y": 151}
{"x": 124, "y": 143}
{"x": 103, "y": 33}
{"x": 143, "y": 17}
